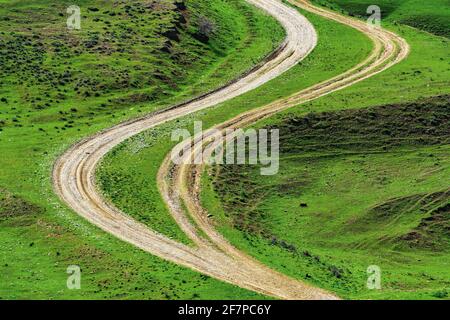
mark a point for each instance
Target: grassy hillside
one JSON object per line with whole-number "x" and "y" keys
{"x": 356, "y": 187}
{"x": 431, "y": 16}
{"x": 127, "y": 175}
{"x": 41, "y": 237}
{"x": 425, "y": 73}
{"x": 59, "y": 85}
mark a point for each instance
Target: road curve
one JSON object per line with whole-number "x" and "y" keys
{"x": 180, "y": 184}
{"x": 74, "y": 171}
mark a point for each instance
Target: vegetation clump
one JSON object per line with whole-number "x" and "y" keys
{"x": 14, "y": 206}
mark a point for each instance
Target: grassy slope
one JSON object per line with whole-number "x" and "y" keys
{"x": 59, "y": 86}
{"x": 361, "y": 175}
{"x": 128, "y": 174}
{"x": 341, "y": 190}
{"x": 431, "y": 16}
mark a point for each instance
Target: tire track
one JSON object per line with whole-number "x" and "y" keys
{"x": 180, "y": 184}
{"x": 74, "y": 171}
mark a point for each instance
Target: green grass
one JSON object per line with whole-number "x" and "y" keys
{"x": 28, "y": 153}
{"x": 359, "y": 195}
{"x": 59, "y": 86}
{"x": 430, "y": 16}
{"x": 356, "y": 188}
{"x": 412, "y": 79}
{"x": 127, "y": 175}
{"x": 36, "y": 250}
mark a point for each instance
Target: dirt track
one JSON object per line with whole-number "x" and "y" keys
{"x": 74, "y": 172}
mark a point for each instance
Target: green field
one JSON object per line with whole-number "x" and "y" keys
{"x": 431, "y": 16}
{"x": 356, "y": 187}
{"x": 128, "y": 173}
{"x": 374, "y": 190}
{"x": 413, "y": 79}
{"x": 58, "y": 86}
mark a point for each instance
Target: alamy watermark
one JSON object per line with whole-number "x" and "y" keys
{"x": 74, "y": 278}
{"x": 74, "y": 20}
{"x": 375, "y": 16}
{"x": 229, "y": 146}
{"x": 374, "y": 277}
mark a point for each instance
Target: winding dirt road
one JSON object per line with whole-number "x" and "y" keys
{"x": 74, "y": 172}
